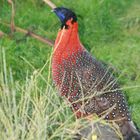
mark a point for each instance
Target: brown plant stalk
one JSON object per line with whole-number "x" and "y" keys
{"x": 50, "y": 3}
{"x": 32, "y": 34}
{"x": 12, "y": 26}
{"x": 1, "y": 34}
{"x": 19, "y": 29}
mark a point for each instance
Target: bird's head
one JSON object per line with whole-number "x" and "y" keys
{"x": 65, "y": 15}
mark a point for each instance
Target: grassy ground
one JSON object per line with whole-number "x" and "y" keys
{"x": 109, "y": 29}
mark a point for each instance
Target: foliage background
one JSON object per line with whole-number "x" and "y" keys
{"x": 109, "y": 29}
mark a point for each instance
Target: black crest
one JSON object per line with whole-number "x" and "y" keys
{"x": 64, "y": 15}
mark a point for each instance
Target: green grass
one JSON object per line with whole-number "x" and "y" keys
{"x": 109, "y": 29}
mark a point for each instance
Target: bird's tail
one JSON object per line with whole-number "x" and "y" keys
{"x": 129, "y": 131}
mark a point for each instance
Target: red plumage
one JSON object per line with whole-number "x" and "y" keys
{"x": 67, "y": 43}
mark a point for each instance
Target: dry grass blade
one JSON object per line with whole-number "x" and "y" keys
{"x": 30, "y": 115}
{"x": 51, "y": 4}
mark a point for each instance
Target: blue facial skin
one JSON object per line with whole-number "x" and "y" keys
{"x": 60, "y": 15}
{"x": 61, "y": 12}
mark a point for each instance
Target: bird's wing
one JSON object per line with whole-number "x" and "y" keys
{"x": 99, "y": 88}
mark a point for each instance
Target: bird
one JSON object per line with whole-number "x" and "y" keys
{"x": 85, "y": 83}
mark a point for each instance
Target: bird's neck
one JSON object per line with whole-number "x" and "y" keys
{"x": 67, "y": 41}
